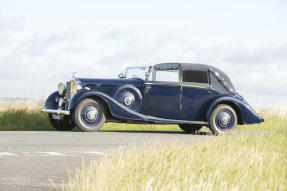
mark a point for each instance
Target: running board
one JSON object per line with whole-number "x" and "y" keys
{"x": 173, "y": 121}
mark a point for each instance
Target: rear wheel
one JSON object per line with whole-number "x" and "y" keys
{"x": 65, "y": 124}
{"x": 89, "y": 115}
{"x": 190, "y": 128}
{"x": 223, "y": 119}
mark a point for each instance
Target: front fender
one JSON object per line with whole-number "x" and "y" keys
{"x": 51, "y": 101}
{"x": 117, "y": 109}
{"x": 249, "y": 116}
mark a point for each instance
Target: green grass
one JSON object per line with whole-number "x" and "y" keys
{"x": 20, "y": 120}
{"x": 242, "y": 160}
{"x": 251, "y": 158}
{"x": 25, "y": 119}
{"x": 35, "y": 120}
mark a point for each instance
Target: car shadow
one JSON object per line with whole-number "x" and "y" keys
{"x": 156, "y": 131}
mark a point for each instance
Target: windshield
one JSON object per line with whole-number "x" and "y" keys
{"x": 137, "y": 72}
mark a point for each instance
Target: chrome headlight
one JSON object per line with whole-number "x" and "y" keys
{"x": 76, "y": 86}
{"x": 61, "y": 101}
{"x": 61, "y": 88}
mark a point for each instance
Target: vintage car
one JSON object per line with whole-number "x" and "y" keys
{"x": 190, "y": 95}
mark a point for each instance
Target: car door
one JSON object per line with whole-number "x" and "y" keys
{"x": 162, "y": 94}
{"x": 196, "y": 94}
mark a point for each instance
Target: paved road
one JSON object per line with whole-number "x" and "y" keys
{"x": 35, "y": 160}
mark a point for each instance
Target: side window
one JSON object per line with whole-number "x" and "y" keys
{"x": 195, "y": 76}
{"x": 167, "y": 75}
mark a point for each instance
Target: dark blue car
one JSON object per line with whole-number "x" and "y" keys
{"x": 190, "y": 95}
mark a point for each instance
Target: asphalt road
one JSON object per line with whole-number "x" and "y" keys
{"x": 40, "y": 160}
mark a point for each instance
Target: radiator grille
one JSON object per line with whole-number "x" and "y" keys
{"x": 68, "y": 94}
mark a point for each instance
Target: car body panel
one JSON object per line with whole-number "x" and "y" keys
{"x": 249, "y": 116}
{"x": 120, "y": 111}
{"x": 195, "y": 101}
{"x": 161, "y": 99}
{"x": 51, "y": 102}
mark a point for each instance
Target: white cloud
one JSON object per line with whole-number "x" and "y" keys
{"x": 42, "y": 47}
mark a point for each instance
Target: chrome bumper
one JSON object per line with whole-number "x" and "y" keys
{"x": 56, "y": 111}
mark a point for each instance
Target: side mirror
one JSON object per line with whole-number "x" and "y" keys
{"x": 121, "y": 75}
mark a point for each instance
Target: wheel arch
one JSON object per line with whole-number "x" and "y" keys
{"x": 78, "y": 98}
{"x": 103, "y": 102}
{"x": 232, "y": 104}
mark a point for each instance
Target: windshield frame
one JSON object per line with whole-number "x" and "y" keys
{"x": 140, "y": 67}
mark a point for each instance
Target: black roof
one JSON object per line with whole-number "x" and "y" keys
{"x": 184, "y": 66}
{"x": 193, "y": 66}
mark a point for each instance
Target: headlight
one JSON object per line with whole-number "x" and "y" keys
{"x": 61, "y": 88}
{"x": 76, "y": 86}
{"x": 61, "y": 101}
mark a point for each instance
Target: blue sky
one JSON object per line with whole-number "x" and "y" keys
{"x": 43, "y": 42}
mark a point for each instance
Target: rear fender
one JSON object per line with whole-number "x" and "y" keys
{"x": 243, "y": 109}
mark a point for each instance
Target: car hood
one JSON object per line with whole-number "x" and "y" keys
{"x": 108, "y": 84}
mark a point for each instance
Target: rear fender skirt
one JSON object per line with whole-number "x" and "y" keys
{"x": 249, "y": 116}
{"x": 51, "y": 101}
{"x": 120, "y": 111}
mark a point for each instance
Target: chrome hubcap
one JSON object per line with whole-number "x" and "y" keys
{"x": 129, "y": 99}
{"x": 90, "y": 114}
{"x": 224, "y": 120}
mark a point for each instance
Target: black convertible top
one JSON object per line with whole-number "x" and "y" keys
{"x": 220, "y": 75}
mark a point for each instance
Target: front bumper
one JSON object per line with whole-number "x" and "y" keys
{"x": 56, "y": 111}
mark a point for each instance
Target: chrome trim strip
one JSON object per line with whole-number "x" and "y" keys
{"x": 196, "y": 86}
{"x": 178, "y": 84}
{"x": 56, "y": 111}
{"x": 164, "y": 83}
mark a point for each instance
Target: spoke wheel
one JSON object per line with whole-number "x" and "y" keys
{"x": 223, "y": 119}
{"x": 89, "y": 115}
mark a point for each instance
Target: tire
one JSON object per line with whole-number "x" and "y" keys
{"x": 61, "y": 125}
{"x": 223, "y": 119}
{"x": 189, "y": 128}
{"x": 89, "y": 115}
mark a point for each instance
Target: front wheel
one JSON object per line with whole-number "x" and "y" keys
{"x": 89, "y": 115}
{"x": 65, "y": 124}
{"x": 190, "y": 128}
{"x": 223, "y": 119}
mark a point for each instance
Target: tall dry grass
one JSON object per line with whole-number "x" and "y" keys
{"x": 23, "y": 114}
{"x": 24, "y": 104}
{"x": 243, "y": 160}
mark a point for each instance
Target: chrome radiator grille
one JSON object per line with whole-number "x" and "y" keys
{"x": 68, "y": 94}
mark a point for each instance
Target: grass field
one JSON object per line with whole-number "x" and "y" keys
{"x": 243, "y": 160}
{"x": 26, "y": 115}
{"x": 251, "y": 158}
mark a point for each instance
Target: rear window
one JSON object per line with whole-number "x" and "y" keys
{"x": 195, "y": 76}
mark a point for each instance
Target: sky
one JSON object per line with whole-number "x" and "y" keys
{"x": 43, "y": 42}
